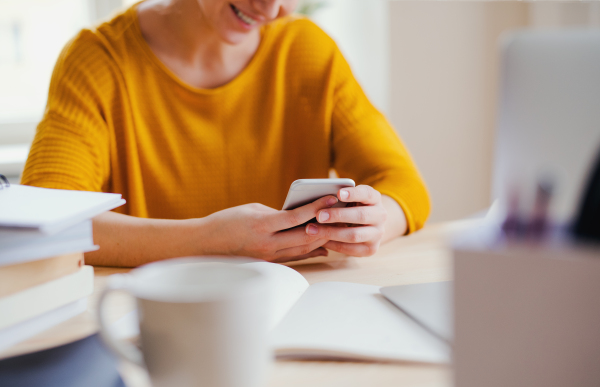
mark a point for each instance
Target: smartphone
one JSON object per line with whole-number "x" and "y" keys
{"x": 306, "y": 191}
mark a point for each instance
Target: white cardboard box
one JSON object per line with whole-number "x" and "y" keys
{"x": 526, "y": 314}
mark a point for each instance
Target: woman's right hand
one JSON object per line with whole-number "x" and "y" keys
{"x": 258, "y": 231}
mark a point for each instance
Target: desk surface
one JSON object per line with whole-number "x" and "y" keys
{"x": 421, "y": 257}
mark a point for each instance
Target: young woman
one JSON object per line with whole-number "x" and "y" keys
{"x": 197, "y": 110}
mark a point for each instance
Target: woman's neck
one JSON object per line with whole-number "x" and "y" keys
{"x": 180, "y": 36}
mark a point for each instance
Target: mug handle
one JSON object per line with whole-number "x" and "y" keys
{"x": 123, "y": 349}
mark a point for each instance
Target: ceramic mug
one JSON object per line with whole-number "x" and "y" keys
{"x": 202, "y": 323}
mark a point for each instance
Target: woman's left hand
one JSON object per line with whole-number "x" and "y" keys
{"x": 367, "y": 218}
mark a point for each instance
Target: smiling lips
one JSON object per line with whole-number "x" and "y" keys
{"x": 242, "y": 16}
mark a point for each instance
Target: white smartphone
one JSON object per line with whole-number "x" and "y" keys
{"x": 306, "y": 191}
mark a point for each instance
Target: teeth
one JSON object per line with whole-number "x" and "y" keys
{"x": 244, "y": 17}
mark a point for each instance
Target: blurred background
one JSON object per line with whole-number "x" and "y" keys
{"x": 430, "y": 66}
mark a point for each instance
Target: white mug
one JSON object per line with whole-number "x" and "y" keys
{"x": 202, "y": 323}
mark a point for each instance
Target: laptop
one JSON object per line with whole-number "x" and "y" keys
{"x": 549, "y": 116}
{"x": 429, "y": 305}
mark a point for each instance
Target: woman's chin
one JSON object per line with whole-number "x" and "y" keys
{"x": 235, "y": 37}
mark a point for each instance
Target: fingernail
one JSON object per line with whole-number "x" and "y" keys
{"x": 323, "y": 216}
{"x": 344, "y": 194}
{"x": 331, "y": 201}
{"x": 311, "y": 229}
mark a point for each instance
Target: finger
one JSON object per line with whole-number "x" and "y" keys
{"x": 355, "y": 215}
{"x": 353, "y": 249}
{"x": 320, "y": 252}
{"x": 292, "y": 238}
{"x": 298, "y": 251}
{"x": 283, "y": 220}
{"x": 362, "y": 194}
{"x": 345, "y": 234}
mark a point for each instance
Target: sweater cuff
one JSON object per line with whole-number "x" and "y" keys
{"x": 415, "y": 211}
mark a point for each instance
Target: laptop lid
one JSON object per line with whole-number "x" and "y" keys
{"x": 429, "y": 304}
{"x": 549, "y": 115}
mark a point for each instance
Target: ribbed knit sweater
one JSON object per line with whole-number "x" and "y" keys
{"x": 118, "y": 120}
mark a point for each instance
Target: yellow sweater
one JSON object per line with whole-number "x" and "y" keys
{"x": 118, "y": 120}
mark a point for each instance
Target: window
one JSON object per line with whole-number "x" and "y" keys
{"x": 32, "y": 34}
{"x": 30, "y": 41}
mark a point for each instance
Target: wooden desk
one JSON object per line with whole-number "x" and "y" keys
{"x": 418, "y": 258}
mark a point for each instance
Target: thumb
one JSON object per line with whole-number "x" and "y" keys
{"x": 282, "y": 220}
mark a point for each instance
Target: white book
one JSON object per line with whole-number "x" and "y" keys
{"x": 353, "y": 321}
{"x": 343, "y": 320}
{"x": 18, "y": 246}
{"x": 51, "y": 210}
{"x": 35, "y": 301}
{"x": 334, "y": 320}
{"x": 17, "y": 333}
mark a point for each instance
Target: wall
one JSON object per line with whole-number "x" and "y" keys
{"x": 444, "y": 69}
{"x": 564, "y": 14}
{"x": 361, "y": 30}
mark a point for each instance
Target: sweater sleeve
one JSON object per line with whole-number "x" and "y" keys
{"x": 71, "y": 146}
{"x": 367, "y": 149}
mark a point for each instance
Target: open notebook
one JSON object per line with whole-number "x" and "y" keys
{"x": 335, "y": 320}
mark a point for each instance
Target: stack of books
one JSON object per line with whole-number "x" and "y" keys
{"x": 43, "y": 235}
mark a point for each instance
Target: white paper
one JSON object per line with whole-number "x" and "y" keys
{"x": 26, "y": 304}
{"x": 353, "y": 321}
{"x": 22, "y": 246}
{"x": 51, "y": 210}
{"x": 286, "y": 286}
{"x": 16, "y": 333}
{"x": 429, "y": 304}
